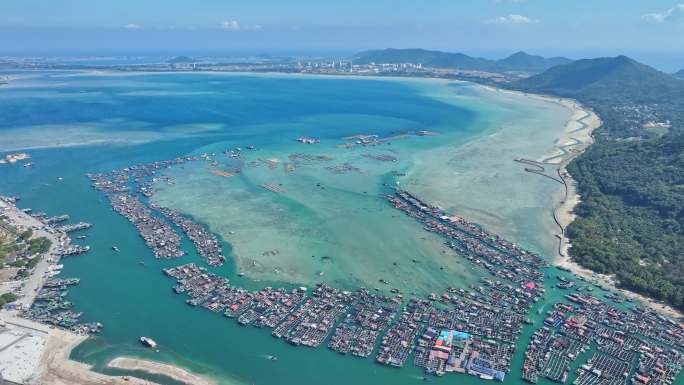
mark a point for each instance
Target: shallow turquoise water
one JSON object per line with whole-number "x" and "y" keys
{"x": 120, "y": 120}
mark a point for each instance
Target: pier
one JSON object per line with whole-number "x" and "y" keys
{"x": 75, "y": 227}
{"x": 56, "y": 219}
{"x": 74, "y": 250}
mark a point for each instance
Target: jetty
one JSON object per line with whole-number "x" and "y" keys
{"x": 74, "y": 250}
{"x": 56, "y": 219}
{"x": 74, "y": 227}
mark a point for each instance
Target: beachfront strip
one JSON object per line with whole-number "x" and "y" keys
{"x": 128, "y": 190}
{"x": 636, "y": 345}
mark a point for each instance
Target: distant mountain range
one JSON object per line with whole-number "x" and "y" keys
{"x": 603, "y": 79}
{"x": 519, "y": 61}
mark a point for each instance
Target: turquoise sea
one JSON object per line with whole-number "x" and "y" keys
{"x": 73, "y": 123}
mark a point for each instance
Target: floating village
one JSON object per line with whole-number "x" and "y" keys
{"x": 635, "y": 344}
{"x": 473, "y": 330}
{"x": 127, "y": 189}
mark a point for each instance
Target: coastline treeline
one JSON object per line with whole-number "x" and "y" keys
{"x": 631, "y": 219}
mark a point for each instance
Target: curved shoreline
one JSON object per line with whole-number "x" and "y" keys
{"x": 158, "y": 368}
{"x": 64, "y": 370}
{"x": 572, "y": 144}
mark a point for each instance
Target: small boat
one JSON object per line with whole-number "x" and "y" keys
{"x": 115, "y": 248}
{"x": 272, "y": 358}
{"x": 82, "y": 237}
{"x": 149, "y": 342}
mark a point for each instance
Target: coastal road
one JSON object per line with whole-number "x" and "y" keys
{"x": 20, "y": 219}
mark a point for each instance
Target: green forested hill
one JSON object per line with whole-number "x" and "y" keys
{"x": 519, "y": 61}
{"x": 613, "y": 80}
{"x": 631, "y": 219}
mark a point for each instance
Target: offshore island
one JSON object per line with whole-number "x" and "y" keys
{"x": 509, "y": 316}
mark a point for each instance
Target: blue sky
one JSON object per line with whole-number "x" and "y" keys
{"x": 648, "y": 29}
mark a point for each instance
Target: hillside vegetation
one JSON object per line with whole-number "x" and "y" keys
{"x": 631, "y": 219}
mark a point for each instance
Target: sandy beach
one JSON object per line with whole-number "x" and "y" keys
{"x": 48, "y": 358}
{"x": 576, "y": 139}
{"x": 46, "y": 361}
{"x": 57, "y": 369}
{"x": 158, "y": 368}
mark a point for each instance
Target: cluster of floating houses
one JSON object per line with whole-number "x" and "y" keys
{"x": 127, "y": 188}
{"x": 471, "y": 332}
{"x": 462, "y": 331}
{"x": 308, "y": 140}
{"x": 157, "y": 233}
{"x": 503, "y": 259}
{"x": 634, "y": 346}
{"x": 369, "y": 315}
{"x": 205, "y": 242}
{"x": 371, "y": 140}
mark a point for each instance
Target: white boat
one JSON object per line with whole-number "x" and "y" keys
{"x": 149, "y": 342}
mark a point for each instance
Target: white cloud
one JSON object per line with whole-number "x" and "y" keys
{"x": 675, "y": 13}
{"x": 230, "y": 25}
{"x": 132, "y": 26}
{"x": 511, "y": 19}
{"x": 234, "y": 25}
